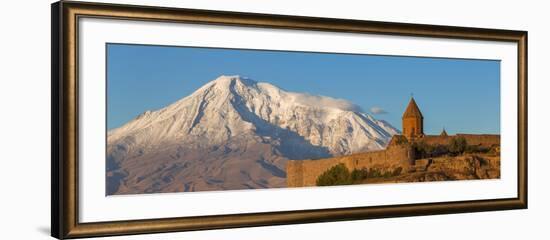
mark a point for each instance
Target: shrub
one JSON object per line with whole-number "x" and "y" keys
{"x": 419, "y": 149}
{"x": 374, "y": 173}
{"x": 424, "y": 150}
{"x": 457, "y": 145}
{"x": 340, "y": 175}
{"x": 337, "y": 175}
{"x": 397, "y": 171}
{"x": 476, "y": 149}
{"x": 439, "y": 150}
{"x": 359, "y": 175}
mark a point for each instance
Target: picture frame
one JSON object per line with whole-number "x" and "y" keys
{"x": 67, "y": 113}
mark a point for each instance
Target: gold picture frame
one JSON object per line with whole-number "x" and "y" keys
{"x": 65, "y": 114}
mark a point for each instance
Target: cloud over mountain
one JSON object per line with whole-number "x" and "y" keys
{"x": 322, "y": 101}
{"x": 377, "y": 110}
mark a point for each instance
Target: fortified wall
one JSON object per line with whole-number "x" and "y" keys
{"x": 302, "y": 173}
{"x": 484, "y": 140}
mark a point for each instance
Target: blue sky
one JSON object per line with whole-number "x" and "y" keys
{"x": 462, "y": 95}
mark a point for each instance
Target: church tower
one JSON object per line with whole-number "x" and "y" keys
{"x": 413, "y": 121}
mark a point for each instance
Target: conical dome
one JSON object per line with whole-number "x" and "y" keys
{"x": 412, "y": 110}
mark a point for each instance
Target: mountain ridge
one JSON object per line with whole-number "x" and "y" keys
{"x": 234, "y": 133}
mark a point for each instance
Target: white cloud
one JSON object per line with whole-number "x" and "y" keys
{"x": 377, "y": 110}
{"x": 312, "y": 100}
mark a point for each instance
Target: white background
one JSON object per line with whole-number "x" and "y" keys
{"x": 25, "y": 120}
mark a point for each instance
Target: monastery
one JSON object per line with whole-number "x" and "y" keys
{"x": 399, "y": 152}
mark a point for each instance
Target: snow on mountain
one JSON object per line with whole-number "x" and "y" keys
{"x": 234, "y": 133}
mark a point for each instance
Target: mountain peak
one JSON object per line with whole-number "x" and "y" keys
{"x": 227, "y": 80}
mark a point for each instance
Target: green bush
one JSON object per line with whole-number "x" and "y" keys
{"x": 340, "y": 175}
{"x": 424, "y": 150}
{"x": 458, "y": 145}
{"x": 397, "y": 171}
{"x": 374, "y": 173}
{"x": 476, "y": 149}
{"x": 337, "y": 175}
{"x": 358, "y": 175}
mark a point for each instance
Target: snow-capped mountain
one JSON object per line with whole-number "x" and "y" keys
{"x": 234, "y": 133}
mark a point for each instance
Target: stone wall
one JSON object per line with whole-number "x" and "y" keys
{"x": 302, "y": 173}
{"x": 486, "y": 140}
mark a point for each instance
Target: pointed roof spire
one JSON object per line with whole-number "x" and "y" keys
{"x": 412, "y": 110}
{"x": 444, "y": 133}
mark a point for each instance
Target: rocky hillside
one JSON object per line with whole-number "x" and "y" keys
{"x": 464, "y": 167}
